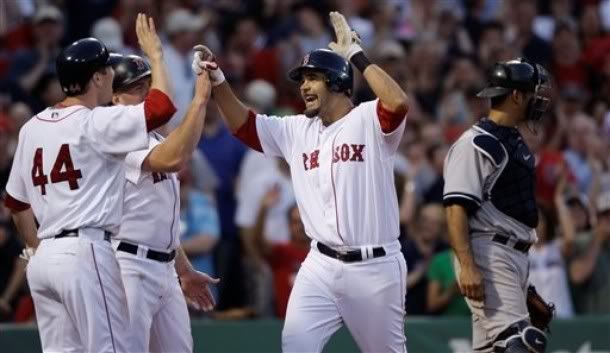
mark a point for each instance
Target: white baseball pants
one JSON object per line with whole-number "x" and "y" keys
{"x": 368, "y": 296}
{"x": 157, "y": 308}
{"x": 79, "y": 296}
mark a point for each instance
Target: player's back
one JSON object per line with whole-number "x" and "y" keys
{"x": 71, "y": 165}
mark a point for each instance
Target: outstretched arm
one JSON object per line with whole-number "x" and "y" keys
{"x": 177, "y": 148}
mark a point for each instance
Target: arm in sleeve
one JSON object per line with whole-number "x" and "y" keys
{"x": 134, "y": 161}
{"x": 122, "y": 129}
{"x": 16, "y": 197}
{"x": 465, "y": 171}
{"x": 267, "y": 134}
{"x": 388, "y": 126}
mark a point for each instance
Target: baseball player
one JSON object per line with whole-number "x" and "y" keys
{"x": 341, "y": 161}
{"x": 147, "y": 245}
{"x": 68, "y": 174}
{"x": 491, "y": 209}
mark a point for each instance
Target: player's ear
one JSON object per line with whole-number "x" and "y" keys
{"x": 115, "y": 99}
{"x": 516, "y": 96}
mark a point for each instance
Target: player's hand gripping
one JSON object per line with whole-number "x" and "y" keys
{"x": 348, "y": 41}
{"x": 204, "y": 60}
{"x": 196, "y": 288}
{"x": 147, "y": 37}
{"x": 203, "y": 86}
{"x": 471, "y": 283}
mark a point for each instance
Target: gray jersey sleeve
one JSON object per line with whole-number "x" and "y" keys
{"x": 465, "y": 171}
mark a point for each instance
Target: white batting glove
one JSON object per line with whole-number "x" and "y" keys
{"x": 203, "y": 59}
{"x": 27, "y": 253}
{"x": 348, "y": 42}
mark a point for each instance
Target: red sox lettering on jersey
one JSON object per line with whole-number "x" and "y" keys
{"x": 343, "y": 153}
{"x": 335, "y": 167}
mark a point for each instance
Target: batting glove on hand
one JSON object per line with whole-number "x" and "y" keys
{"x": 348, "y": 42}
{"x": 27, "y": 253}
{"x": 203, "y": 59}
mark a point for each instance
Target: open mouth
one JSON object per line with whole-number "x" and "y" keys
{"x": 310, "y": 98}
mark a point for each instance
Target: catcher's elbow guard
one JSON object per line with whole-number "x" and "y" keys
{"x": 521, "y": 338}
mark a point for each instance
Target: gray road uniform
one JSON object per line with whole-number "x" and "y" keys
{"x": 490, "y": 171}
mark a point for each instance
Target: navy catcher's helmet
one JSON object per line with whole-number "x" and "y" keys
{"x": 127, "y": 70}
{"x": 338, "y": 71}
{"x": 77, "y": 63}
{"x": 523, "y": 75}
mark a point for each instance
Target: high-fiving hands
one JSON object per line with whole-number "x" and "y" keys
{"x": 348, "y": 41}
{"x": 204, "y": 60}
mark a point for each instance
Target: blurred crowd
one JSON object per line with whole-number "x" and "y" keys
{"x": 239, "y": 220}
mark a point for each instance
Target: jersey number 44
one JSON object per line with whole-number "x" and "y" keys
{"x": 63, "y": 170}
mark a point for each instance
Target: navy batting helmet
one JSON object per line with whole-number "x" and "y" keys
{"x": 338, "y": 71}
{"x": 77, "y": 63}
{"x": 523, "y": 75}
{"x": 127, "y": 70}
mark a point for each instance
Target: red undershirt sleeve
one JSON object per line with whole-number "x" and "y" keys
{"x": 158, "y": 109}
{"x": 388, "y": 119}
{"x": 15, "y": 205}
{"x": 247, "y": 133}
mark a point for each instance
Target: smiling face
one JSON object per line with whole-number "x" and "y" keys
{"x": 314, "y": 91}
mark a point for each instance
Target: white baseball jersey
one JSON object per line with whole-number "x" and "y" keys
{"x": 151, "y": 210}
{"x": 342, "y": 174}
{"x": 69, "y": 165}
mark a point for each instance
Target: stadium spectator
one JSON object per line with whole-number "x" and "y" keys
{"x": 548, "y": 269}
{"x": 181, "y": 27}
{"x": 12, "y": 272}
{"x": 425, "y": 242}
{"x": 284, "y": 259}
{"x": 199, "y": 225}
{"x": 444, "y": 295}
{"x": 590, "y": 267}
{"x": 31, "y": 64}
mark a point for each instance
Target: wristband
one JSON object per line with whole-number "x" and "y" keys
{"x": 360, "y": 61}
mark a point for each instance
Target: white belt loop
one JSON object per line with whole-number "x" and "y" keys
{"x": 142, "y": 251}
{"x": 364, "y": 252}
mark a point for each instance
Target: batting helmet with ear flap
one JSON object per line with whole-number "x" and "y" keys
{"x": 338, "y": 71}
{"x": 128, "y": 69}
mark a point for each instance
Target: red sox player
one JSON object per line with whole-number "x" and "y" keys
{"x": 68, "y": 175}
{"x": 147, "y": 245}
{"x": 341, "y": 161}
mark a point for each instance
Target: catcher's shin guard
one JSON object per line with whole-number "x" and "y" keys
{"x": 520, "y": 337}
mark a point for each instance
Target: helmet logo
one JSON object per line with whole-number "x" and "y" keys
{"x": 141, "y": 65}
{"x": 306, "y": 59}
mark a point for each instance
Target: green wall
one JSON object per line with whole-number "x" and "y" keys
{"x": 582, "y": 335}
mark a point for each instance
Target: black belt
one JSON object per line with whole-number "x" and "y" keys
{"x": 69, "y": 233}
{"x": 519, "y": 245}
{"x": 348, "y": 256}
{"x": 150, "y": 254}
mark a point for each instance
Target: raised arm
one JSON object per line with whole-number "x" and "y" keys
{"x": 151, "y": 46}
{"x": 391, "y": 96}
{"x": 177, "y": 149}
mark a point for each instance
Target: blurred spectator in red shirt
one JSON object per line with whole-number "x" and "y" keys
{"x": 283, "y": 258}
